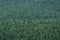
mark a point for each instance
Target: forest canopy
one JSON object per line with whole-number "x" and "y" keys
{"x": 29, "y": 19}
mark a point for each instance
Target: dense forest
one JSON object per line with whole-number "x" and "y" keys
{"x": 29, "y": 19}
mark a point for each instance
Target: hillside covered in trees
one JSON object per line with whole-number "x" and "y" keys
{"x": 29, "y": 19}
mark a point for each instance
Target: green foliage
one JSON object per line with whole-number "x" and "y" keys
{"x": 29, "y": 20}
